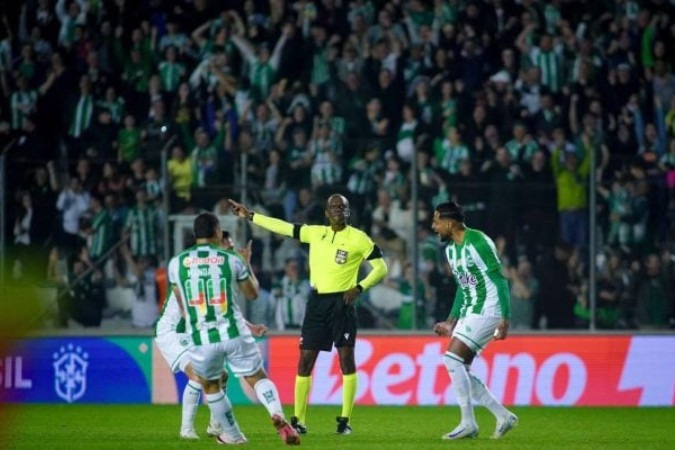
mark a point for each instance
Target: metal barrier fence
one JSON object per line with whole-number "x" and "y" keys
{"x": 499, "y": 207}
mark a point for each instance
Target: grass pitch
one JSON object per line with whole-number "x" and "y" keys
{"x": 127, "y": 427}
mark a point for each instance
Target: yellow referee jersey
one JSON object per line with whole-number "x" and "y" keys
{"x": 335, "y": 257}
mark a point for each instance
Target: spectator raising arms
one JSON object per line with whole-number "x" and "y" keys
{"x": 505, "y": 106}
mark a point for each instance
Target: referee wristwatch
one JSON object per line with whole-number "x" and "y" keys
{"x": 359, "y": 287}
{"x": 250, "y": 215}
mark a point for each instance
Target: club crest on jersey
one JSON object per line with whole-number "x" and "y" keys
{"x": 341, "y": 256}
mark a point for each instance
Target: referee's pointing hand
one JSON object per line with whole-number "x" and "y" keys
{"x": 239, "y": 209}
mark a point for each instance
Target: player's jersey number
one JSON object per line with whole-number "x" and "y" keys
{"x": 203, "y": 292}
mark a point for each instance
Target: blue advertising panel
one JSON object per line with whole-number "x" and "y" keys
{"x": 167, "y": 387}
{"x": 77, "y": 370}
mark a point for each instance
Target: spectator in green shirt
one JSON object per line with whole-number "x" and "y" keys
{"x": 129, "y": 140}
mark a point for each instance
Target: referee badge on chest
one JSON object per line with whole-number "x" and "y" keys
{"x": 341, "y": 256}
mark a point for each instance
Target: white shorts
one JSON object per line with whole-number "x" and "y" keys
{"x": 174, "y": 348}
{"x": 476, "y": 331}
{"x": 241, "y": 354}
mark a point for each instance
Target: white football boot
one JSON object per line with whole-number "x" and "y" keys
{"x": 505, "y": 425}
{"x": 226, "y": 439}
{"x": 214, "y": 429}
{"x": 463, "y": 431}
{"x": 189, "y": 434}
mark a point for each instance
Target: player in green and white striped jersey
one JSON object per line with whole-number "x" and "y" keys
{"x": 173, "y": 343}
{"x": 203, "y": 278}
{"x": 480, "y": 313}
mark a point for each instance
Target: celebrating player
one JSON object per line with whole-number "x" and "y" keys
{"x": 480, "y": 313}
{"x": 336, "y": 252}
{"x": 203, "y": 279}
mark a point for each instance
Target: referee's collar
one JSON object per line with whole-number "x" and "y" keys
{"x": 330, "y": 228}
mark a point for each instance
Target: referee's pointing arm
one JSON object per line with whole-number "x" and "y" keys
{"x": 337, "y": 213}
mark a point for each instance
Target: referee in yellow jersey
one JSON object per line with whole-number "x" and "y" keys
{"x": 335, "y": 253}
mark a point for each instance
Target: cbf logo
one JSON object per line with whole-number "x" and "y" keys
{"x": 466, "y": 279}
{"x": 341, "y": 256}
{"x": 70, "y": 373}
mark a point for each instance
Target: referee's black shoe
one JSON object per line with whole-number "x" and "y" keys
{"x": 298, "y": 426}
{"x": 343, "y": 425}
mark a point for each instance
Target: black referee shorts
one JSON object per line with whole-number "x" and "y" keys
{"x": 328, "y": 321}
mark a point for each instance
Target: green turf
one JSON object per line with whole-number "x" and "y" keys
{"x": 149, "y": 427}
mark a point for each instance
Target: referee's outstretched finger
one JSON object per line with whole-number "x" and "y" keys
{"x": 238, "y": 208}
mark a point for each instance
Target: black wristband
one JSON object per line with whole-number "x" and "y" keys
{"x": 359, "y": 287}
{"x": 250, "y": 215}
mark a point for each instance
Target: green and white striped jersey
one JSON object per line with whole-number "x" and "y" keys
{"x": 290, "y": 298}
{"x": 326, "y": 168}
{"x": 405, "y": 140}
{"x": 84, "y": 110}
{"x": 521, "y": 150}
{"x": 171, "y": 73}
{"x": 262, "y": 77}
{"x": 206, "y": 278}
{"x": 23, "y": 103}
{"x": 550, "y": 65}
{"x": 320, "y": 72}
{"x": 448, "y": 155}
{"x": 102, "y": 238}
{"x": 477, "y": 270}
{"x": 170, "y": 319}
{"x": 116, "y": 108}
{"x": 142, "y": 226}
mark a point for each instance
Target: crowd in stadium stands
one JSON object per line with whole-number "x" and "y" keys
{"x": 509, "y": 107}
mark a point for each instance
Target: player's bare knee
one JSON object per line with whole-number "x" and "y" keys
{"x": 459, "y": 348}
{"x": 253, "y": 379}
{"x": 211, "y": 386}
